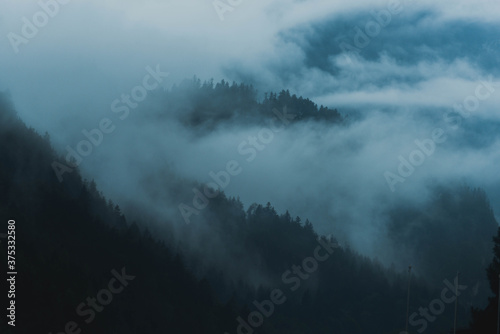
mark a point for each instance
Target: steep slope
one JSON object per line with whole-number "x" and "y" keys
{"x": 71, "y": 244}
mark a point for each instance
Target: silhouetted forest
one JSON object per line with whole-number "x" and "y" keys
{"x": 70, "y": 237}
{"x": 207, "y": 105}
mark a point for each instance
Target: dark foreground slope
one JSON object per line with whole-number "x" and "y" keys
{"x": 71, "y": 243}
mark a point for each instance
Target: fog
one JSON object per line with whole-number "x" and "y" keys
{"x": 398, "y": 88}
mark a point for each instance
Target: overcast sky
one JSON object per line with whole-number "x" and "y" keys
{"x": 102, "y": 47}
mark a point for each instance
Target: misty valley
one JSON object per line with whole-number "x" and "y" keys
{"x": 267, "y": 167}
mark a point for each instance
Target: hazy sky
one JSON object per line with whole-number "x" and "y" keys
{"x": 429, "y": 57}
{"x": 99, "y": 49}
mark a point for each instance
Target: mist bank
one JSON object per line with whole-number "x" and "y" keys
{"x": 174, "y": 154}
